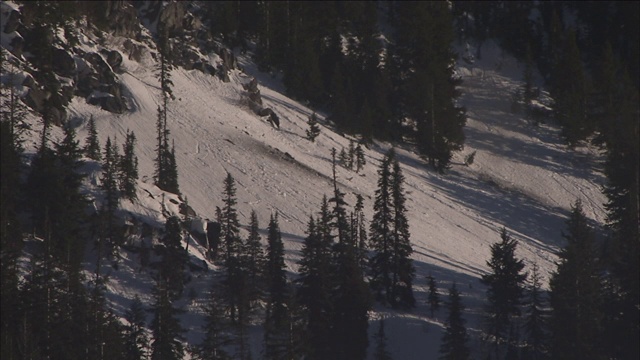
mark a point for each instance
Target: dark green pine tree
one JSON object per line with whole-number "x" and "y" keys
{"x": 569, "y": 92}
{"x": 277, "y": 334}
{"x": 314, "y": 291}
{"x": 575, "y": 299}
{"x": 455, "y": 339}
{"x": 254, "y": 260}
{"x": 166, "y": 330}
{"x": 360, "y": 161}
{"x": 402, "y": 265}
{"x": 109, "y": 184}
{"x": 232, "y": 248}
{"x": 505, "y": 287}
{"x": 535, "y": 319}
{"x": 622, "y": 169}
{"x": 359, "y": 233}
{"x": 216, "y": 333}
{"x": 92, "y": 144}
{"x": 314, "y": 130}
{"x": 381, "y": 352}
{"x": 128, "y": 167}
{"x": 174, "y": 258}
{"x": 433, "y": 298}
{"x": 166, "y": 173}
{"x": 11, "y": 243}
{"x": 424, "y": 33}
{"x": 136, "y": 340}
{"x": 380, "y": 237}
{"x": 351, "y": 297}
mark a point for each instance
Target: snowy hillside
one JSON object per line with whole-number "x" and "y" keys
{"x": 523, "y": 178}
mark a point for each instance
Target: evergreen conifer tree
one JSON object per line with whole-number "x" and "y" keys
{"x": 505, "y": 286}
{"x": 381, "y": 352}
{"x": 402, "y": 265}
{"x": 535, "y": 319}
{"x": 174, "y": 258}
{"x": 92, "y": 144}
{"x": 165, "y": 326}
{"x": 216, "y": 336}
{"x": 433, "y": 298}
{"x": 254, "y": 260}
{"x": 454, "y": 340}
{"x": 314, "y": 291}
{"x": 575, "y": 299}
{"x": 391, "y": 268}
{"x": 314, "y": 130}
{"x": 360, "y": 161}
{"x": 235, "y": 276}
{"x": 109, "y": 185}
{"x": 136, "y": 340}
{"x": 128, "y": 167}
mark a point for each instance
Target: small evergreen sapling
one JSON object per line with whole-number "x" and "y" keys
{"x": 433, "y": 297}
{"x": 314, "y": 129}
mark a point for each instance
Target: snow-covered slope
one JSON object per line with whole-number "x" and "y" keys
{"x": 522, "y": 178}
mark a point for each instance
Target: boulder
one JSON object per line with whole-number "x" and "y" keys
{"x": 171, "y": 18}
{"x": 63, "y": 63}
{"x": 17, "y": 45}
{"x": 123, "y": 19}
{"x": 29, "y": 82}
{"x": 134, "y": 51}
{"x": 109, "y": 103}
{"x": 13, "y": 20}
{"x": 36, "y": 98}
{"x": 114, "y": 59}
{"x": 228, "y": 59}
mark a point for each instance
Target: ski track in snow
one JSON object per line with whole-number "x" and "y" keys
{"x": 522, "y": 178}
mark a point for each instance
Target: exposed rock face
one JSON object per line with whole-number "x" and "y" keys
{"x": 171, "y": 18}
{"x": 123, "y": 19}
{"x": 13, "y": 20}
{"x": 63, "y": 63}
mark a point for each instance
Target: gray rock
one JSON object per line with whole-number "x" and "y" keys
{"x": 123, "y": 19}
{"x": 114, "y": 59}
{"x": 17, "y": 46}
{"x": 29, "y": 82}
{"x": 171, "y": 18}
{"x": 63, "y": 63}
{"x": 13, "y": 21}
{"x": 36, "y": 98}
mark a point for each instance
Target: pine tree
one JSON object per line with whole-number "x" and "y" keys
{"x": 254, "y": 260}
{"x": 433, "y": 298}
{"x": 402, "y": 266}
{"x": 569, "y": 93}
{"x": 109, "y": 185}
{"x": 11, "y": 243}
{"x": 391, "y": 268}
{"x": 173, "y": 258}
{"x": 216, "y": 336}
{"x": 380, "y": 234}
{"x": 504, "y": 289}
{"x": 165, "y": 326}
{"x": 351, "y": 298}
{"x": 429, "y": 91}
{"x": 454, "y": 340}
{"x": 128, "y": 167}
{"x": 235, "y": 276}
{"x": 314, "y": 291}
{"x": 575, "y": 297}
{"x": 381, "y": 352}
{"x": 92, "y": 144}
{"x": 359, "y": 233}
{"x": 166, "y": 173}
{"x": 136, "y": 340}
{"x": 314, "y": 130}
{"x": 360, "y": 161}
{"x": 535, "y": 319}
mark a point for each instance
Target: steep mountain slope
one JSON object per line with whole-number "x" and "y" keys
{"x": 522, "y": 178}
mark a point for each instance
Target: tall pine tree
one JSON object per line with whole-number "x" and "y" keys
{"x": 575, "y": 299}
